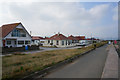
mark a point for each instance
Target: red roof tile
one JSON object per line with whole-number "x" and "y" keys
{"x": 37, "y": 38}
{"x": 58, "y": 37}
{"x": 92, "y": 39}
{"x": 80, "y": 37}
{"x": 46, "y": 38}
{"x": 6, "y": 29}
{"x": 72, "y": 38}
{"x": 88, "y": 38}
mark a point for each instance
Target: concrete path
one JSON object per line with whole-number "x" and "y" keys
{"x": 87, "y": 66}
{"x": 111, "y": 65}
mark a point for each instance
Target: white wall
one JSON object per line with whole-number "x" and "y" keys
{"x": 60, "y": 43}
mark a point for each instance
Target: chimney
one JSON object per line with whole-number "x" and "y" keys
{"x": 58, "y": 33}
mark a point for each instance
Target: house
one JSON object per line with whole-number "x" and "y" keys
{"x": 37, "y": 40}
{"x": 73, "y": 40}
{"x": 82, "y": 40}
{"x": 92, "y": 40}
{"x": 89, "y": 40}
{"x": 14, "y": 35}
{"x": 58, "y": 40}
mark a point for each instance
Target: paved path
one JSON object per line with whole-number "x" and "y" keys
{"x": 87, "y": 66}
{"x": 111, "y": 65}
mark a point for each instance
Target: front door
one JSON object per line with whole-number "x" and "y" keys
{"x": 13, "y": 43}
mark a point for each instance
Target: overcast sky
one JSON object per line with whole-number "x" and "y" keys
{"x": 98, "y": 19}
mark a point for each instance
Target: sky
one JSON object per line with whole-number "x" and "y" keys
{"x": 96, "y": 19}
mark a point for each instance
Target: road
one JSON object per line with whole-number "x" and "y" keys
{"x": 87, "y": 66}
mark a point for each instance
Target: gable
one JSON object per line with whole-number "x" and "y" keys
{"x": 58, "y": 37}
{"x": 19, "y": 27}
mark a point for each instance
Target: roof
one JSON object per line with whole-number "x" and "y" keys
{"x": 46, "y": 38}
{"x": 80, "y": 37}
{"x": 6, "y": 29}
{"x": 92, "y": 39}
{"x": 58, "y": 37}
{"x": 37, "y": 38}
{"x": 72, "y": 38}
{"x": 88, "y": 38}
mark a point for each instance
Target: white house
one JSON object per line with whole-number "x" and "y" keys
{"x": 58, "y": 40}
{"x": 82, "y": 40}
{"x": 73, "y": 40}
{"x": 15, "y": 35}
{"x": 36, "y": 40}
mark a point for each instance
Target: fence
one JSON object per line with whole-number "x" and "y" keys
{"x": 20, "y": 49}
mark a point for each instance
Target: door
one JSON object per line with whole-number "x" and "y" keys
{"x": 13, "y": 43}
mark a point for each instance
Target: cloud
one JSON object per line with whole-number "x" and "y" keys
{"x": 115, "y": 11}
{"x": 46, "y": 18}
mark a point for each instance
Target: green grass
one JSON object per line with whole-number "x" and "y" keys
{"x": 17, "y": 66}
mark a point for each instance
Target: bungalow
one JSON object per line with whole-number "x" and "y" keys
{"x": 92, "y": 40}
{"x": 14, "y": 35}
{"x": 58, "y": 40}
{"x": 73, "y": 40}
{"x": 82, "y": 40}
{"x": 89, "y": 40}
{"x": 36, "y": 40}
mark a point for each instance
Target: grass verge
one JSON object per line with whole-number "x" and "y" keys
{"x": 17, "y": 66}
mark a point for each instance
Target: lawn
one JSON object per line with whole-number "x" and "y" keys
{"x": 20, "y": 65}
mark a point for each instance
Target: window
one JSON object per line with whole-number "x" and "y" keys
{"x": 62, "y": 42}
{"x": 22, "y": 35}
{"x": 41, "y": 41}
{"x": 51, "y": 41}
{"x": 15, "y": 33}
{"x": 48, "y": 41}
{"x": 72, "y": 41}
{"x": 57, "y": 42}
{"x": 8, "y": 42}
{"x": 15, "y": 42}
{"x": 18, "y": 33}
{"x": 20, "y": 42}
{"x": 27, "y": 42}
{"x": 66, "y": 42}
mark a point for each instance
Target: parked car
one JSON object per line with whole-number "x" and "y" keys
{"x": 82, "y": 44}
